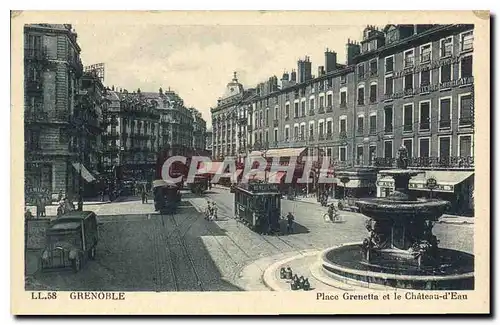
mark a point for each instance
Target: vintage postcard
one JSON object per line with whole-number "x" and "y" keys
{"x": 250, "y": 162}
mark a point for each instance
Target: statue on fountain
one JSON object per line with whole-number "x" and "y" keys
{"x": 402, "y": 161}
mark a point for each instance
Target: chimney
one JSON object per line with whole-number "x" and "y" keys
{"x": 352, "y": 50}
{"x": 286, "y": 76}
{"x": 293, "y": 76}
{"x": 330, "y": 60}
{"x": 321, "y": 70}
{"x": 304, "y": 70}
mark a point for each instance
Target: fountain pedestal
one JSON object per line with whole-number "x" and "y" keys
{"x": 400, "y": 250}
{"x": 400, "y": 226}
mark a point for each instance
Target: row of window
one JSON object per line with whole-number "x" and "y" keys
{"x": 444, "y": 120}
{"x": 422, "y": 149}
{"x": 300, "y": 110}
{"x": 425, "y": 76}
{"x": 466, "y": 40}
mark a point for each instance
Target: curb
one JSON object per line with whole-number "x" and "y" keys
{"x": 268, "y": 276}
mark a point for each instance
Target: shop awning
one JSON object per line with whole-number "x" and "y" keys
{"x": 211, "y": 167}
{"x": 86, "y": 175}
{"x": 443, "y": 177}
{"x": 255, "y": 153}
{"x": 446, "y": 180}
{"x": 354, "y": 183}
{"x": 275, "y": 177}
{"x": 285, "y": 152}
{"x": 260, "y": 176}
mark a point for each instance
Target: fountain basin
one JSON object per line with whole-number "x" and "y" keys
{"x": 382, "y": 208}
{"x": 453, "y": 270}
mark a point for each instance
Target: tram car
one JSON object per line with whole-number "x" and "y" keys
{"x": 258, "y": 206}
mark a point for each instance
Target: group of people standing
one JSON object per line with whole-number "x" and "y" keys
{"x": 211, "y": 211}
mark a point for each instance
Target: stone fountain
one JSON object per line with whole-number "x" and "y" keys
{"x": 400, "y": 251}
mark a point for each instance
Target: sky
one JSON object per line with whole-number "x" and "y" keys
{"x": 198, "y": 61}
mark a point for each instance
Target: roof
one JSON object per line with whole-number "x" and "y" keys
{"x": 72, "y": 215}
{"x": 162, "y": 183}
{"x": 71, "y": 225}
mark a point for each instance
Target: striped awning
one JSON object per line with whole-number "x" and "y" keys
{"x": 285, "y": 152}
{"x": 86, "y": 175}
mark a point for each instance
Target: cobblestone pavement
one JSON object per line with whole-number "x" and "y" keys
{"x": 143, "y": 251}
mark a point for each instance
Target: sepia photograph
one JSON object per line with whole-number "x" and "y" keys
{"x": 322, "y": 158}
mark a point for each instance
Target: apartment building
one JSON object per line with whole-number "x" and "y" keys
{"x": 401, "y": 85}
{"x": 52, "y": 68}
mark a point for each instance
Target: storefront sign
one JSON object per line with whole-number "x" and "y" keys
{"x": 431, "y": 183}
{"x": 344, "y": 179}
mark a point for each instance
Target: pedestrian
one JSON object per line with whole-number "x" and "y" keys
{"x": 143, "y": 195}
{"x": 290, "y": 219}
{"x": 60, "y": 208}
{"x": 27, "y": 214}
{"x": 60, "y": 196}
{"x": 80, "y": 202}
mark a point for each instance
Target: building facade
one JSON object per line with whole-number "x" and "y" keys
{"x": 229, "y": 121}
{"x": 403, "y": 85}
{"x": 143, "y": 125}
{"x": 52, "y": 68}
{"x": 199, "y": 131}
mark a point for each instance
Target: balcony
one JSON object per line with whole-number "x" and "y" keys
{"x": 275, "y": 123}
{"x": 373, "y": 99}
{"x": 329, "y": 136}
{"x": 444, "y": 124}
{"x": 409, "y": 63}
{"x": 321, "y": 137}
{"x": 442, "y": 162}
{"x": 329, "y": 109}
{"x": 373, "y": 73}
{"x": 424, "y": 126}
{"x": 343, "y": 136}
{"x": 35, "y": 54}
{"x": 287, "y": 117}
{"x": 38, "y": 116}
{"x": 360, "y": 131}
{"x": 34, "y": 85}
{"x": 361, "y": 101}
{"x": 384, "y": 162}
{"x": 343, "y": 105}
{"x": 321, "y": 110}
{"x": 373, "y": 131}
{"x": 361, "y": 75}
{"x": 388, "y": 128}
{"x": 466, "y": 122}
{"x": 425, "y": 57}
{"x": 242, "y": 120}
{"x": 311, "y": 112}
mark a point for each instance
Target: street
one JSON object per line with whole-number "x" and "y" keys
{"x": 140, "y": 250}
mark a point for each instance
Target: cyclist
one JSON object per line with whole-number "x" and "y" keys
{"x": 332, "y": 212}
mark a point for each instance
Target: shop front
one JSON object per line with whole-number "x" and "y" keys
{"x": 457, "y": 187}
{"x": 355, "y": 182}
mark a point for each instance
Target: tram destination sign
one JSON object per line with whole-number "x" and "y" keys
{"x": 263, "y": 187}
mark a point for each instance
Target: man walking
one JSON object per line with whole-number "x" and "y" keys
{"x": 290, "y": 218}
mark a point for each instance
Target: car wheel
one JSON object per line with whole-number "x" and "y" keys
{"x": 92, "y": 253}
{"x": 77, "y": 264}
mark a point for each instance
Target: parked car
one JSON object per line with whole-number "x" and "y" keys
{"x": 71, "y": 240}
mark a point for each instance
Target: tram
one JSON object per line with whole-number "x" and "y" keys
{"x": 258, "y": 206}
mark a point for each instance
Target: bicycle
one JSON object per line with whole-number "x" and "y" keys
{"x": 334, "y": 219}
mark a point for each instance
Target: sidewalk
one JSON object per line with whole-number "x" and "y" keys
{"x": 445, "y": 218}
